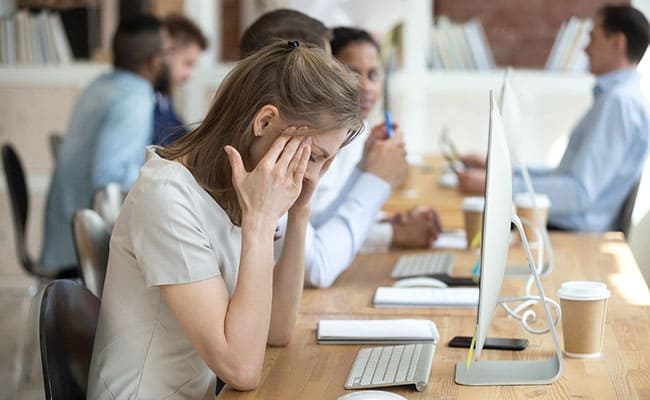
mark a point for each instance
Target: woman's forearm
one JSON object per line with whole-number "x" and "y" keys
{"x": 249, "y": 311}
{"x": 288, "y": 279}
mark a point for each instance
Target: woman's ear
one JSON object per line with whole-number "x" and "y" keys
{"x": 265, "y": 117}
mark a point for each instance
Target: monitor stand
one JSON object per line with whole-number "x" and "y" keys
{"x": 517, "y": 372}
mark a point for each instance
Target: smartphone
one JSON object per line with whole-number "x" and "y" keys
{"x": 491, "y": 343}
{"x": 453, "y": 281}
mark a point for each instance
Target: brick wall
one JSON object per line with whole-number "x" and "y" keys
{"x": 520, "y": 32}
{"x": 230, "y": 30}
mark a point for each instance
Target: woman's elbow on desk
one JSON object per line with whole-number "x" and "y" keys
{"x": 279, "y": 340}
{"x": 237, "y": 370}
{"x": 244, "y": 379}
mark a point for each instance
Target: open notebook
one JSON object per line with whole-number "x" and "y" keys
{"x": 391, "y": 331}
{"x": 426, "y": 297}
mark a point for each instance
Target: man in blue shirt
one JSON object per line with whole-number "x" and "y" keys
{"x": 187, "y": 43}
{"x": 608, "y": 148}
{"x": 107, "y": 134}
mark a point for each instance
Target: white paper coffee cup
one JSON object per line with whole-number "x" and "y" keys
{"x": 526, "y": 211}
{"x": 473, "y": 217}
{"x": 584, "y": 307}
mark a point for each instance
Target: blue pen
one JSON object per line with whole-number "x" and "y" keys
{"x": 389, "y": 124}
{"x": 476, "y": 271}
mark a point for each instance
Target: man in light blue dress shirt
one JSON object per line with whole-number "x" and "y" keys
{"x": 107, "y": 134}
{"x": 608, "y": 148}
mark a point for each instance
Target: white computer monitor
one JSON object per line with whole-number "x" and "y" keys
{"x": 495, "y": 234}
{"x": 497, "y": 217}
{"x": 510, "y": 109}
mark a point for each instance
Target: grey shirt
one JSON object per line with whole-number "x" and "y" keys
{"x": 170, "y": 231}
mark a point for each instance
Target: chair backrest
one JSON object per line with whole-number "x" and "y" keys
{"x": 624, "y": 220}
{"x": 107, "y": 201}
{"x": 91, "y": 236}
{"x": 69, "y": 314}
{"x": 15, "y": 176}
{"x": 55, "y": 139}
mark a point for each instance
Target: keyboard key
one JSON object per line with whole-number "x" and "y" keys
{"x": 391, "y": 371}
{"x": 359, "y": 365}
{"x": 404, "y": 363}
{"x": 414, "y": 362}
{"x": 379, "y": 376}
{"x": 370, "y": 367}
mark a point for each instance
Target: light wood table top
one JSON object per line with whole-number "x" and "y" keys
{"x": 422, "y": 188}
{"x": 307, "y": 370}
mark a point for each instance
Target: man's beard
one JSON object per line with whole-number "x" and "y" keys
{"x": 163, "y": 82}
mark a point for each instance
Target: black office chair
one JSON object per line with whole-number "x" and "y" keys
{"x": 624, "y": 220}
{"x": 69, "y": 314}
{"x": 55, "y": 139}
{"x": 19, "y": 197}
{"x": 17, "y": 187}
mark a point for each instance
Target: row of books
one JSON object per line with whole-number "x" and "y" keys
{"x": 568, "y": 53}
{"x": 27, "y": 38}
{"x": 460, "y": 45}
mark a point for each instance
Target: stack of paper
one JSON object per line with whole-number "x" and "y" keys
{"x": 392, "y": 331}
{"x": 460, "y": 297}
{"x": 451, "y": 240}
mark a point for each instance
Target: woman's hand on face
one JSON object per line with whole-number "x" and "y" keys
{"x": 303, "y": 203}
{"x": 267, "y": 192}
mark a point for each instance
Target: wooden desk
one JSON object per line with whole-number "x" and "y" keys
{"x": 422, "y": 188}
{"x": 306, "y": 370}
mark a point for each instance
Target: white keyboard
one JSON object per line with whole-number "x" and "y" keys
{"x": 392, "y": 366}
{"x": 426, "y": 264}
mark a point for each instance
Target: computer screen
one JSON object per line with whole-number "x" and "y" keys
{"x": 510, "y": 109}
{"x": 511, "y": 116}
{"x": 497, "y": 216}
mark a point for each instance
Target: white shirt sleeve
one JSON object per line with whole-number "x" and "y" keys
{"x": 379, "y": 238}
{"x": 335, "y": 236}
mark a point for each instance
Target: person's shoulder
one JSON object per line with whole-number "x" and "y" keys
{"x": 627, "y": 96}
{"x": 164, "y": 175}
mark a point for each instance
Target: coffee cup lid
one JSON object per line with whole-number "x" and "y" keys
{"x": 474, "y": 204}
{"x": 583, "y": 291}
{"x": 526, "y": 200}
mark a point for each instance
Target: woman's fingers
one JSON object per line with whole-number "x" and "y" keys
{"x": 236, "y": 163}
{"x": 300, "y": 161}
{"x": 289, "y": 153}
{"x": 276, "y": 149}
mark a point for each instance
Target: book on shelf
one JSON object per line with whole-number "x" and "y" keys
{"x": 567, "y": 53}
{"x": 460, "y": 45}
{"x": 33, "y": 38}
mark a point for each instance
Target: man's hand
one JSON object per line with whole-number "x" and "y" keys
{"x": 417, "y": 228}
{"x": 472, "y": 181}
{"x": 473, "y": 161}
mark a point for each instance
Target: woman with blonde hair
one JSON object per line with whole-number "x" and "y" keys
{"x": 191, "y": 290}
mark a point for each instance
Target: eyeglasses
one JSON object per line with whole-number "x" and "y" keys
{"x": 352, "y": 134}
